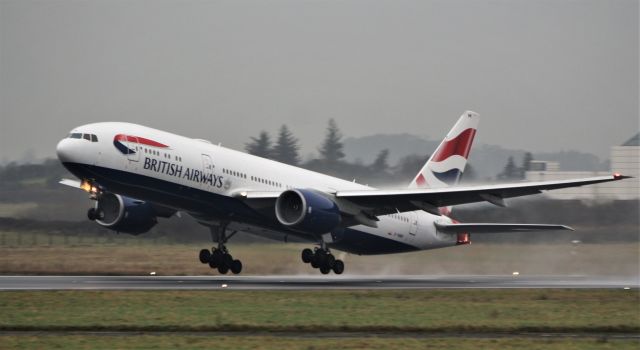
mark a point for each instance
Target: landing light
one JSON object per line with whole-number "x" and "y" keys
{"x": 85, "y": 185}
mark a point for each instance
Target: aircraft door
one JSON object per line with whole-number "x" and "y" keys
{"x": 207, "y": 170}
{"x": 413, "y": 228}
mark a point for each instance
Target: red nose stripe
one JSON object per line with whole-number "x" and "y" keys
{"x": 140, "y": 140}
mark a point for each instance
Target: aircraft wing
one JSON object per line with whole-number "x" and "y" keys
{"x": 496, "y": 228}
{"x": 381, "y": 202}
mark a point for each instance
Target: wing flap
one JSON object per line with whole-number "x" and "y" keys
{"x": 498, "y": 228}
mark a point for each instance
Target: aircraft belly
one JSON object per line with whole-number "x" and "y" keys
{"x": 362, "y": 240}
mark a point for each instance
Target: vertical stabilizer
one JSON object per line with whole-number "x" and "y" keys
{"x": 446, "y": 164}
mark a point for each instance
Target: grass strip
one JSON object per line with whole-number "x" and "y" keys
{"x": 268, "y": 342}
{"x": 515, "y": 310}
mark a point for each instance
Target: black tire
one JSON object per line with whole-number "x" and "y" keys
{"x": 325, "y": 270}
{"x": 338, "y": 267}
{"x": 223, "y": 269}
{"x": 236, "y": 267}
{"x": 205, "y": 256}
{"x": 92, "y": 214}
{"x": 320, "y": 257}
{"x": 315, "y": 261}
{"x": 307, "y": 255}
{"x": 215, "y": 259}
{"x": 227, "y": 259}
{"x": 329, "y": 260}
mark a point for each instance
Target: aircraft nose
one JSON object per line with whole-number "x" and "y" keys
{"x": 64, "y": 149}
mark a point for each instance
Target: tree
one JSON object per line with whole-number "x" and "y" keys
{"x": 380, "y": 164}
{"x": 286, "y": 148}
{"x": 331, "y": 150}
{"x": 260, "y": 146}
{"x": 510, "y": 172}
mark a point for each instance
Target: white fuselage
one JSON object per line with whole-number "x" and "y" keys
{"x": 185, "y": 171}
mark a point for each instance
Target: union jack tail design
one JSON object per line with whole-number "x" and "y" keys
{"x": 446, "y": 164}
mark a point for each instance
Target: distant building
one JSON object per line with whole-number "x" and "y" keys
{"x": 625, "y": 159}
{"x": 543, "y": 165}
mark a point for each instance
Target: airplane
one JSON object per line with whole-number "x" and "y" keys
{"x": 137, "y": 174}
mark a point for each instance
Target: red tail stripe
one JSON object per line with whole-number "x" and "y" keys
{"x": 140, "y": 140}
{"x": 460, "y": 145}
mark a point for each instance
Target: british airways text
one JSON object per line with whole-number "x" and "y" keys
{"x": 178, "y": 170}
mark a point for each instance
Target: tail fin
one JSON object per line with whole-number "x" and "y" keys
{"x": 446, "y": 164}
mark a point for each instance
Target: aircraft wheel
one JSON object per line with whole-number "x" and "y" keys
{"x": 307, "y": 255}
{"x": 338, "y": 267}
{"x": 325, "y": 270}
{"x": 216, "y": 259}
{"x": 223, "y": 269}
{"x": 236, "y": 266}
{"x": 227, "y": 259}
{"x": 329, "y": 260}
{"x": 92, "y": 214}
{"x": 205, "y": 256}
{"x": 320, "y": 257}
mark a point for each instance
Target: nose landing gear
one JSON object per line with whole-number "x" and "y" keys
{"x": 219, "y": 257}
{"x": 322, "y": 259}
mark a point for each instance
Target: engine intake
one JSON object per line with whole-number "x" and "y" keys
{"x": 124, "y": 214}
{"x": 307, "y": 211}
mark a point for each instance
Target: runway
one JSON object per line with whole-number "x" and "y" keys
{"x": 306, "y": 282}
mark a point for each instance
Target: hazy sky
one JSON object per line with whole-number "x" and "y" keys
{"x": 545, "y": 75}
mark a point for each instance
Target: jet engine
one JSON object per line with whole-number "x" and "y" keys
{"x": 307, "y": 211}
{"x": 123, "y": 214}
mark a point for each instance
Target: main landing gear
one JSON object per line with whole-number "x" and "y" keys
{"x": 219, "y": 258}
{"x": 321, "y": 258}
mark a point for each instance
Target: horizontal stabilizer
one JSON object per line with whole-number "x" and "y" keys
{"x": 497, "y": 228}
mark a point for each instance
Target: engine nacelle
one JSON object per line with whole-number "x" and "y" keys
{"x": 124, "y": 214}
{"x": 307, "y": 211}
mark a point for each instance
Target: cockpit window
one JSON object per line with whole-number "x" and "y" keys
{"x": 88, "y": 137}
